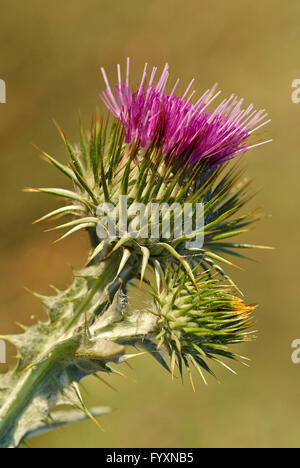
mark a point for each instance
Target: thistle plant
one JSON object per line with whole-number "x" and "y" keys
{"x": 156, "y": 149}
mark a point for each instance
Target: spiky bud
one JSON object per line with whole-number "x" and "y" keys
{"x": 196, "y": 325}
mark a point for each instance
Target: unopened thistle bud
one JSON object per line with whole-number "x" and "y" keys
{"x": 196, "y": 325}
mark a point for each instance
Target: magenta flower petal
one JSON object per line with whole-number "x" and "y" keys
{"x": 150, "y": 115}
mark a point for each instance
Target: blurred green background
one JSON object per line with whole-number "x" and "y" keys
{"x": 51, "y": 53}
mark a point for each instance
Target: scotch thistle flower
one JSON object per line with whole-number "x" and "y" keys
{"x": 159, "y": 150}
{"x": 183, "y": 130}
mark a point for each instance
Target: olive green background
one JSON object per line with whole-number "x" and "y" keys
{"x": 51, "y": 53}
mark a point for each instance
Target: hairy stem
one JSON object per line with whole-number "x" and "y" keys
{"x": 66, "y": 350}
{"x": 29, "y": 387}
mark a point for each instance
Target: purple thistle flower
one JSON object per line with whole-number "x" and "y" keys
{"x": 182, "y": 128}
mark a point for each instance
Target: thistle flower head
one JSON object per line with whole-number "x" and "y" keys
{"x": 150, "y": 115}
{"x": 104, "y": 171}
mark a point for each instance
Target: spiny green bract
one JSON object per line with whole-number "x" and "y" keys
{"x": 198, "y": 324}
{"x": 105, "y": 167}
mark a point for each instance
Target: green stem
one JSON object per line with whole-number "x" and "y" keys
{"x": 29, "y": 388}
{"x": 35, "y": 378}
